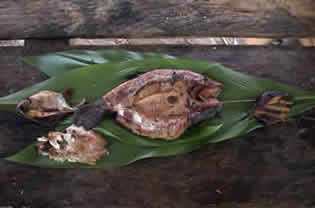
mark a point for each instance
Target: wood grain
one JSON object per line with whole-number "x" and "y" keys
{"x": 125, "y": 18}
{"x": 272, "y": 167}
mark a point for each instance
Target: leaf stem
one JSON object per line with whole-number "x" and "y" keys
{"x": 253, "y": 100}
{"x": 305, "y": 98}
{"x": 239, "y": 101}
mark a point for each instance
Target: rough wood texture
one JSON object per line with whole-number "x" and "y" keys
{"x": 15, "y": 74}
{"x": 126, "y": 18}
{"x": 273, "y": 167}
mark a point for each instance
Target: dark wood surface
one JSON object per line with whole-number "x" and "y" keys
{"x": 272, "y": 167}
{"x": 137, "y": 18}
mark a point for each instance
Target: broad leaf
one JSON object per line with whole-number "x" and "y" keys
{"x": 193, "y": 135}
{"x": 95, "y": 80}
{"x": 120, "y": 154}
{"x": 54, "y": 63}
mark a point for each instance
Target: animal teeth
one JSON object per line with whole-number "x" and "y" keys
{"x": 54, "y": 144}
{"x": 68, "y": 138}
{"x": 45, "y": 104}
{"x": 120, "y": 110}
{"x": 137, "y": 118}
{"x": 59, "y": 138}
{"x": 42, "y": 139}
{"x": 75, "y": 145}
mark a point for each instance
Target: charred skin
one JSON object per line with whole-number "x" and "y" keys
{"x": 158, "y": 104}
{"x": 48, "y": 106}
{"x": 45, "y": 104}
{"x": 272, "y": 107}
{"x": 75, "y": 145}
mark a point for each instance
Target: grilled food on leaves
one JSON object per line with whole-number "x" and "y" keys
{"x": 272, "y": 107}
{"x": 75, "y": 145}
{"x": 45, "y": 104}
{"x": 158, "y": 104}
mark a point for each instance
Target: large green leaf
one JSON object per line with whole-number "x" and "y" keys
{"x": 93, "y": 81}
{"x": 54, "y": 63}
{"x": 109, "y": 128}
{"x": 196, "y": 134}
{"x": 120, "y": 154}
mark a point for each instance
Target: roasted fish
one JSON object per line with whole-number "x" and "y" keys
{"x": 158, "y": 104}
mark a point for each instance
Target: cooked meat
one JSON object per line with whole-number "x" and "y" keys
{"x": 158, "y": 104}
{"x": 272, "y": 107}
{"x": 76, "y": 145}
{"x": 44, "y": 104}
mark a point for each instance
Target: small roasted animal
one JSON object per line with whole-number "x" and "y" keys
{"x": 272, "y": 107}
{"x": 45, "y": 104}
{"x": 75, "y": 145}
{"x": 158, "y": 104}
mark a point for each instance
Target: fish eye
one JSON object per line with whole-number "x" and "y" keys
{"x": 172, "y": 99}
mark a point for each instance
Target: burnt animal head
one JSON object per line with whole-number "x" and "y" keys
{"x": 272, "y": 107}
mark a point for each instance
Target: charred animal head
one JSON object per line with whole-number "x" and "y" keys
{"x": 272, "y": 107}
{"x": 75, "y": 145}
{"x": 45, "y": 104}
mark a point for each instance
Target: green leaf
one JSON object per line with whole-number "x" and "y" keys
{"x": 120, "y": 154}
{"x": 54, "y": 63}
{"x": 196, "y": 134}
{"x": 93, "y": 81}
{"x": 239, "y": 128}
{"x": 109, "y": 128}
{"x": 8, "y": 105}
{"x": 302, "y": 104}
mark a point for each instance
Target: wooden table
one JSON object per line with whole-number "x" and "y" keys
{"x": 271, "y": 167}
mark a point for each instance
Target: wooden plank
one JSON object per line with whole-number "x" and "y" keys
{"x": 193, "y": 41}
{"x": 12, "y": 65}
{"x": 272, "y": 167}
{"x": 124, "y": 18}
